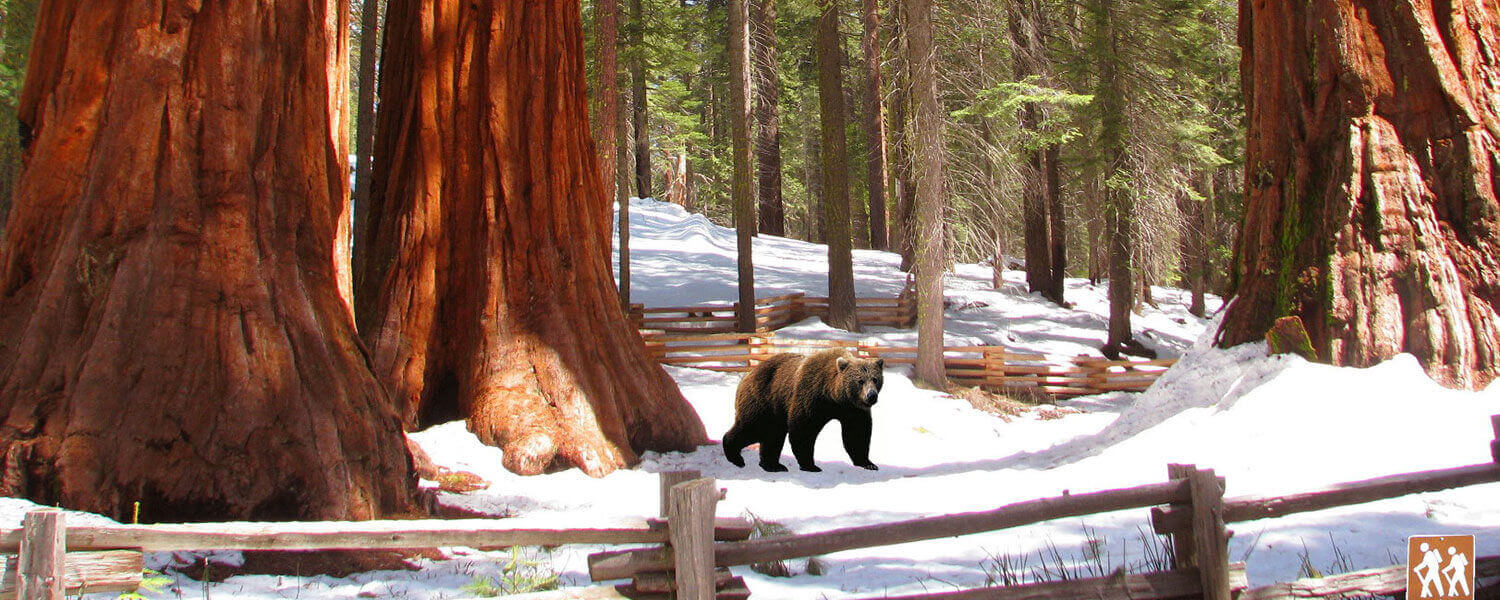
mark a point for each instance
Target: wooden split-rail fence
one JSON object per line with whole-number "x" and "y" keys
{"x": 771, "y": 314}
{"x": 692, "y": 550}
{"x": 993, "y": 368}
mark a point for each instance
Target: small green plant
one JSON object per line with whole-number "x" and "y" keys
{"x": 151, "y": 581}
{"x": 521, "y": 574}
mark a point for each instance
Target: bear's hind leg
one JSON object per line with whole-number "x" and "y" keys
{"x": 771, "y": 442}
{"x": 734, "y": 442}
{"x": 804, "y": 435}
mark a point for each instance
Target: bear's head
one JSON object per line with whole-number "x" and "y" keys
{"x": 859, "y": 380}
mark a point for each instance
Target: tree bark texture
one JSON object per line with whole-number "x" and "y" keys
{"x": 606, "y": 98}
{"x": 1057, "y": 229}
{"x": 903, "y": 239}
{"x": 171, "y": 325}
{"x": 1034, "y": 222}
{"x": 1373, "y": 164}
{"x": 498, "y": 305}
{"x": 1119, "y": 205}
{"x": 874, "y": 122}
{"x": 928, "y": 229}
{"x": 744, "y": 200}
{"x": 841, "y": 313}
{"x": 639, "y": 123}
{"x": 767, "y": 69}
{"x": 364, "y": 125}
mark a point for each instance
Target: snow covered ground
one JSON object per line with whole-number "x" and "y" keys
{"x": 1268, "y": 424}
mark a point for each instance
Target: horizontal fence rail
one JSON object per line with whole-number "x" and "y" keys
{"x": 1250, "y": 508}
{"x": 994, "y": 368}
{"x": 358, "y": 535}
{"x": 616, "y": 565}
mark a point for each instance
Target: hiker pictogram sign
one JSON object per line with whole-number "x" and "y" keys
{"x": 1440, "y": 567}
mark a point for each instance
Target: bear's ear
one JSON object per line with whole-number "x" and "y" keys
{"x": 879, "y": 364}
{"x": 843, "y": 363}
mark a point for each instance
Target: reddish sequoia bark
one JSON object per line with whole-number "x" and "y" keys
{"x": 1371, "y": 181}
{"x": 171, "y": 328}
{"x": 498, "y": 305}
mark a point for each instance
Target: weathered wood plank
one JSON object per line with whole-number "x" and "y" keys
{"x": 1250, "y": 508}
{"x": 1209, "y": 538}
{"x": 1380, "y": 581}
{"x": 84, "y": 573}
{"x": 661, "y": 583}
{"x": 354, "y": 535}
{"x": 665, "y": 481}
{"x": 622, "y": 564}
{"x": 690, "y": 514}
{"x": 1166, "y": 585}
{"x": 39, "y": 568}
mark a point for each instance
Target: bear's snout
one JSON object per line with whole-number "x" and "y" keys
{"x": 869, "y": 395}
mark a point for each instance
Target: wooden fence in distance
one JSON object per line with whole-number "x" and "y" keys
{"x": 1195, "y": 518}
{"x": 990, "y": 367}
{"x": 771, "y": 314}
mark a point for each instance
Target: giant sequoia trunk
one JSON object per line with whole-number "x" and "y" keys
{"x": 171, "y": 326}
{"x": 496, "y": 304}
{"x": 1372, "y": 173}
{"x": 832, "y": 114}
{"x": 767, "y": 69}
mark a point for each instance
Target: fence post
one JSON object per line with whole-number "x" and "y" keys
{"x": 1495, "y": 445}
{"x": 690, "y": 524}
{"x": 40, "y": 563}
{"x": 669, "y": 479}
{"x": 1183, "y": 556}
{"x": 1209, "y": 538}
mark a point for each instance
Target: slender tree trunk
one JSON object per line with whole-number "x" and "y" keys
{"x": 1056, "y": 226}
{"x": 498, "y": 307}
{"x": 816, "y": 230}
{"x": 639, "y": 124}
{"x": 622, "y": 163}
{"x": 1195, "y": 245}
{"x": 929, "y": 227}
{"x": 744, "y": 200}
{"x": 1371, "y": 184}
{"x": 169, "y": 295}
{"x": 906, "y": 189}
{"x": 364, "y": 125}
{"x": 1034, "y": 221}
{"x": 767, "y": 69}
{"x": 606, "y": 96}
{"x": 841, "y": 313}
{"x": 874, "y": 124}
{"x": 1119, "y": 209}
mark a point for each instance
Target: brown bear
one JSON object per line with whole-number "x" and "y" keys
{"x": 798, "y": 395}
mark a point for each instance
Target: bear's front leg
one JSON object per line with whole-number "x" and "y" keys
{"x": 856, "y": 428}
{"x": 804, "y": 434}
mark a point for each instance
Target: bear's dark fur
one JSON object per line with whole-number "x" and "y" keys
{"x": 791, "y": 394}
